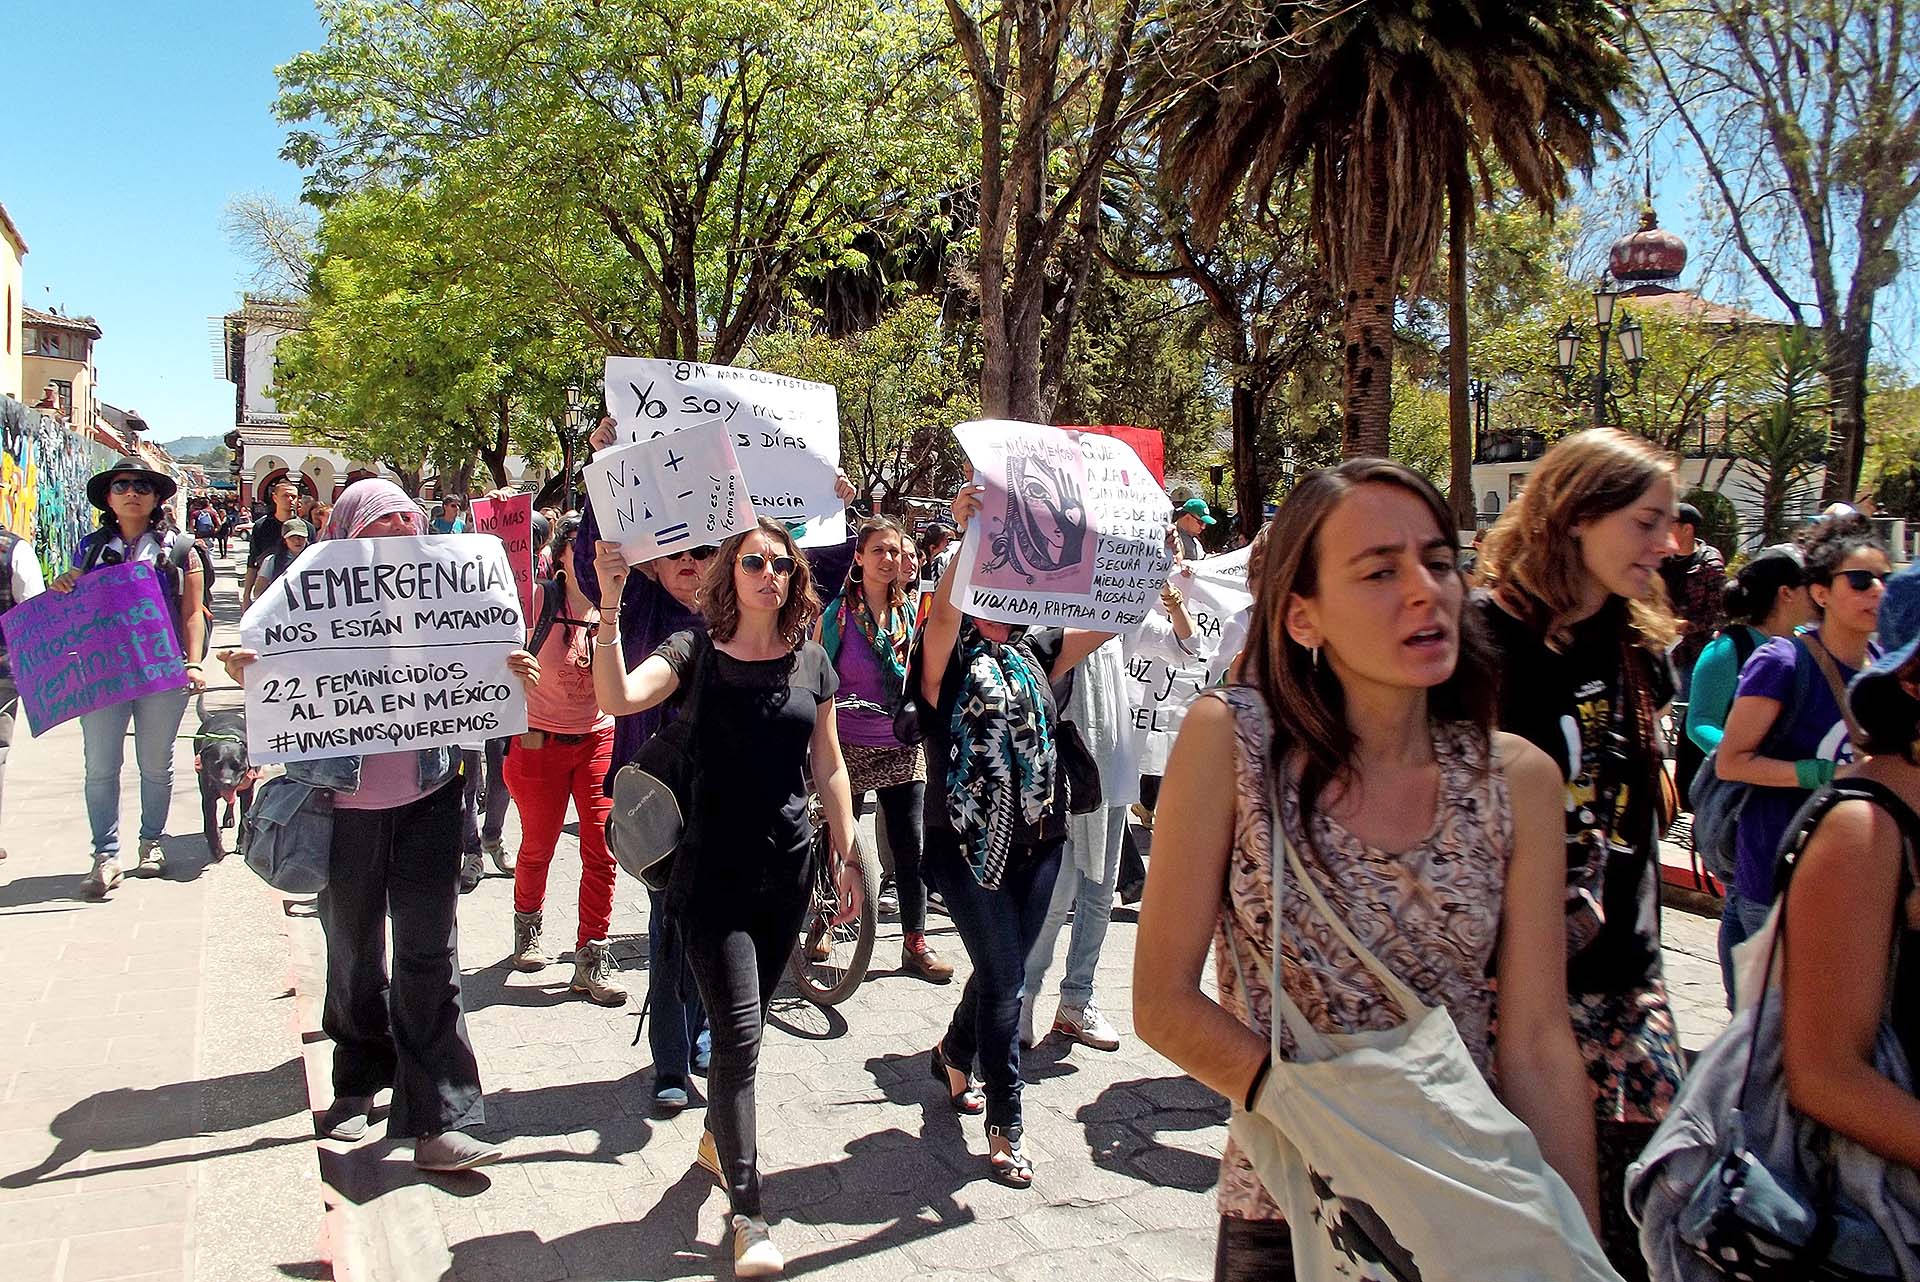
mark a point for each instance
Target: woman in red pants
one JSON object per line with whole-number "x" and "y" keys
{"x": 564, "y": 754}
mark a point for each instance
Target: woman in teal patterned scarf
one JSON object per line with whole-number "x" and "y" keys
{"x": 867, "y": 632}
{"x": 996, "y": 812}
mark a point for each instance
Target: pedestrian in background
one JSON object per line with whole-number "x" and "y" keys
{"x": 266, "y": 538}
{"x": 20, "y": 580}
{"x": 1190, "y": 519}
{"x": 395, "y": 861}
{"x": 295, "y": 536}
{"x": 1364, "y": 707}
{"x": 136, "y": 524}
{"x": 1695, "y": 577}
{"x": 449, "y": 519}
{"x": 1572, "y": 601}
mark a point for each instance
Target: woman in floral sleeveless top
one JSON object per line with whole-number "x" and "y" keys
{"x": 1434, "y": 839}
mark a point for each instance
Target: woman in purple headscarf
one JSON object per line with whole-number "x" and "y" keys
{"x": 396, "y": 853}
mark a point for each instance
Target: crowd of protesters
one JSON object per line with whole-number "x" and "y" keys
{"x": 1416, "y": 822}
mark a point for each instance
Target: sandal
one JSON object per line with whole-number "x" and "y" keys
{"x": 1010, "y": 1165}
{"x": 967, "y": 1101}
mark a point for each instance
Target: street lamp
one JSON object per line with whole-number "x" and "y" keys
{"x": 1567, "y": 340}
{"x": 1480, "y": 397}
{"x": 1217, "y": 472}
{"x": 568, "y": 434}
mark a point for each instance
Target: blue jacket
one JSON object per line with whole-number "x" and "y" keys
{"x": 342, "y": 774}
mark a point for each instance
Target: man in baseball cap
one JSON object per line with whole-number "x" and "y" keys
{"x": 1189, "y": 519}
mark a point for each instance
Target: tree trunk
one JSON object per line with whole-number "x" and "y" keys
{"x": 1249, "y": 493}
{"x": 495, "y": 455}
{"x": 1459, "y": 413}
{"x": 1368, "y": 332}
{"x": 1844, "y": 364}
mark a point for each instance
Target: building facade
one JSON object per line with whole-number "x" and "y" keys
{"x": 13, "y": 345}
{"x": 58, "y": 369}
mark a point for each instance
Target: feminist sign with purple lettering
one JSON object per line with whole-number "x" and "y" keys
{"x": 107, "y": 641}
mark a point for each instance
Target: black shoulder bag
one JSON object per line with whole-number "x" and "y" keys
{"x": 653, "y": 794}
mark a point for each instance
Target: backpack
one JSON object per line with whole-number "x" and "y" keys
{"x": 551, "y": 594}
{"x": 1717, "y": 802}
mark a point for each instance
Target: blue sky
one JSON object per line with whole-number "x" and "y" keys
{"x": 131, "y": 124}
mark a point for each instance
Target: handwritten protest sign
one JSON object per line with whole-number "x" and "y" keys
{"x": 1165, "y": 676}
{"x": 375, "y": 645}
{"x": 109, "y": 640}
{"x": 511, "y": 521}
{"x": 1072, "y": 529}
{"x": 786, "y": 430}
{"x": 674, "y": 492}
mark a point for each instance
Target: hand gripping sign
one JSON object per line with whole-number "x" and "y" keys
{"x": 1071, "y": 531}
{"x": 785, "y": 430}
{"x": 379, "y": 645}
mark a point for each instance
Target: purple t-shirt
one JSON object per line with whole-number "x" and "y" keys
{"x": 860, "y": 677}
{"x": 1816, "y": 728}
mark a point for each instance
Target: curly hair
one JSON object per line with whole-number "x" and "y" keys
{"x": 1828, "y": 542}
{"x": 720, "y": 600}
{"x": 1530, "y": 559}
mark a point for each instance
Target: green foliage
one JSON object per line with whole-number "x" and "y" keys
{"x": 1720, "y": 520}
{"x": 1786, "y": 437}
{"x": 1419, "y": 433}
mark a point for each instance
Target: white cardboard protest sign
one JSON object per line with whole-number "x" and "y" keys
{"x": 1071, "y": 531}
{"x": 670, "y": 493}
{"x": 785, "y": 430}
{"x": 1165, "y": 676}
{"x": 378, "y": 645}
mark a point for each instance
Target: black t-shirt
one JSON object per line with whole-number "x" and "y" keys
{"x": 1569, "y": 704}
{"x": 1042, "y": 646}
{"x": 754, "y": 727}
{"x": 265, "y": 540}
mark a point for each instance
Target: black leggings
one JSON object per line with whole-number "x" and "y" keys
{"x": 901, "y": 808}
{"x": 1253, "y": 1251}
{"x": 737, "y": 952}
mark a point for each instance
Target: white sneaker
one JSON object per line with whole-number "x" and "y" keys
{"x": 1028, "y": 1037}
{"x": 754, "y": 1254}
{"x": 1087, "y": 1026}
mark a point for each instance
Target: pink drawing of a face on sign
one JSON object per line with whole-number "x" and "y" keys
{"x": 1040, "y": 539}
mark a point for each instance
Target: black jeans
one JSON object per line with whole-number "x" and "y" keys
{"x": 410, "y": 1033}
{"x": 1619, "y": 1145}
{"x": 901, "y": 808}
{"x": 483, "y": 799}
{"x": 1253, "y": 1251}
{"x": 999, "y": 928}
{"x": 737, "y": 951}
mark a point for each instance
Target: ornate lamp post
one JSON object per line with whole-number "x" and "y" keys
{"x": 569, "y": 437}
{"x": 1568, "y": 339}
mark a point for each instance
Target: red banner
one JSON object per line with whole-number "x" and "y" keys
{"x": 1146, "y": 442}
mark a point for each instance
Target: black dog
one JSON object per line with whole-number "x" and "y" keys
{"x": 220, "y": 759}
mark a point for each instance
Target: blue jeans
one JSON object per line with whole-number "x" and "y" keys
{"x": 1739, "y": 920}
{"x": 156, "y": 721}
{"x": 676, "y": 1021}
{"x": 998, "y": 928}
{"x": 1092, "y": 905}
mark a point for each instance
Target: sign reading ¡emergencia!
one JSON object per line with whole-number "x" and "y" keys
{"x": 511, "y": 521}
{"x": 786, "y": 431}
{"x": 1165, "y": 676}
{"x": 1071, "y": 531}
{"x": 378, "y": 645}
{"x": 107, "y": 641}
{"x": 674, "y": 492}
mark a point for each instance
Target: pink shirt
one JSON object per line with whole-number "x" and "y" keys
{"x": 387, "y": 780}
{"x": 564, "y": 702}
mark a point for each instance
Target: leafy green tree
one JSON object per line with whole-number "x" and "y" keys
{"x": 1785, "y": 438}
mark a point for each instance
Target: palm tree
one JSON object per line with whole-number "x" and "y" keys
{"x": 1377, "y": 103}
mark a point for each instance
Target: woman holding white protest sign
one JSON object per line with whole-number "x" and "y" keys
{"x": 136, "y": 524}
{"x": 1366, "y": 858}
{"x": 868, "y": 632}
{"x": 996, "y": 810}
{"x": 743, "y": 874}
{"x": 395, "y": 855}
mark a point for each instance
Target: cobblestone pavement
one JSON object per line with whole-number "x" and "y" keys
{"x": 154, "y": 1121}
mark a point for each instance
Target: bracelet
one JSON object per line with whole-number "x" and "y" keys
{"x": 1259, "y": 1080}
{"x": 598, "y": 644}
{"x": 191, "y": 667}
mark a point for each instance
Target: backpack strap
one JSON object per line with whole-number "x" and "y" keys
{"x": 1743, "y": 645}
{"x": 1807, "y": 821}
{"x": 91, "y": 548}
{"x": 550, "y": 594}
{"x": 1830, "y": 670}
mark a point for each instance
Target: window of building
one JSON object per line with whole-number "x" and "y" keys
{"x": 47, "y": 343}
{"x": 63, "y": 392}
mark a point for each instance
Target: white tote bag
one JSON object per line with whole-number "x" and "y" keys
{"x": 1390, "y": 1155}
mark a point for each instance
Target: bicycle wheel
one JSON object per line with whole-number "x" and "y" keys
{"x": 829, "y": 962}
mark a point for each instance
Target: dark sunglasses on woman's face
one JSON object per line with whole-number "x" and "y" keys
{"x": 1861, "y": 580}
{"x": 702, "y": 553}
{"x": 754, "y": 563}
{"x": 135, "y": 484}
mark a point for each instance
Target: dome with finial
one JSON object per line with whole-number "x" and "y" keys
{"x": 1650, "y": 254}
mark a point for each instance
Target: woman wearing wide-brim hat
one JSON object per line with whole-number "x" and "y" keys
{"x": 137, "y": 525}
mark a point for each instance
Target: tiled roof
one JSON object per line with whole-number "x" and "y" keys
{"x": 52, "y": 320}
{"x": 1687, "y": 307}
{"x": 12, "y": 229}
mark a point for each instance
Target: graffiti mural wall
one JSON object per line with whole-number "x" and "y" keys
{"x": 43, "y": 482}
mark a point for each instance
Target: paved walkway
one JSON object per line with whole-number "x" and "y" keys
{"x": 155, "y": 1121}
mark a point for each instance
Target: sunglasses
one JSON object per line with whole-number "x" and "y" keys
{"x": 1861, "y": 580}
{"x": 754, "y": 563}
{"x": 131, "y": 484}
{"x": 703, "y": 553}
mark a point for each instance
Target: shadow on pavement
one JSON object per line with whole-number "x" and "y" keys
{"x": 1123, "y": 1121}
{"x": 47, "y": 888}
{"x": 127, "y": 1119}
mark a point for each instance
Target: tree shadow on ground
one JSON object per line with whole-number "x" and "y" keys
{"x": 127, "y": 1118}
{"x": 1123, "y": 1122}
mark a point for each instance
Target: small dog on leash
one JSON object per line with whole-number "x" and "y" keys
{"x": 220, "y": 759}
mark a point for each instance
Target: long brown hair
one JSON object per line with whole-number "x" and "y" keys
{"x": 1531, "y": 558}
{"x": 1308, "y": 703}
{"x": 869, "y": 527}
{"x": 720, "y": 601}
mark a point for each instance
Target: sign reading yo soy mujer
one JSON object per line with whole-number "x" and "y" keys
{"x": 379, "y": 645}
{"x": 107, "y": 641}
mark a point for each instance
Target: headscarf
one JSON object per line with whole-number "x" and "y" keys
{"x": 363, "y": 503}
{"x": 1003, "y": 752}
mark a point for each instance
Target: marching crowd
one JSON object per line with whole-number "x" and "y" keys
{"x": 1415, "y": 822}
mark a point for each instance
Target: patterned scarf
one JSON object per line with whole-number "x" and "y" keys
{"x": 1003, "y": 753}
{"x": 890, "y": 645}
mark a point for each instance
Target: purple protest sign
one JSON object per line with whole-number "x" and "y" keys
{"x": 107, "y": 641}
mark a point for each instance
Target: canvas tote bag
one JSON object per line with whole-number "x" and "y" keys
{"x": 1390, "y": 1155}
